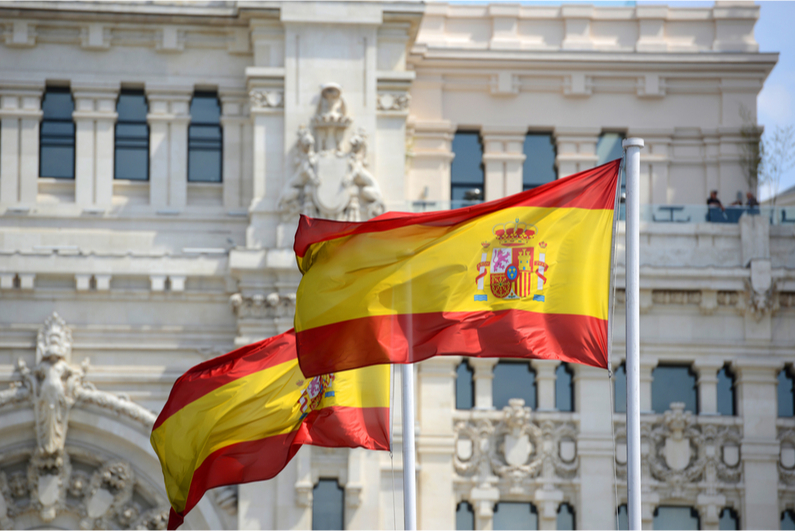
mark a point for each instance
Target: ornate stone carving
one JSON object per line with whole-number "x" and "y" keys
{"x": 392, "y": 101}
{"x": 266, "y": 99}
{"x": 786, "y": 299}
{"x": 761, "y": 302}
{"x": 263, "y": 306}
{"x": 327, "y": 181}
{"x": 786, "y": 460}
{"x": 676, "y": 297}
{"x": 226, "y": 499}
{"x": 728, "y": 298}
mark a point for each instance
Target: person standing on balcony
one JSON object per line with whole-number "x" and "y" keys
{"x": 751, "y": 201}
{"x": 713, "y": 201}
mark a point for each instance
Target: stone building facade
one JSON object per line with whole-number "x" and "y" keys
{"x": 199, "y": 131}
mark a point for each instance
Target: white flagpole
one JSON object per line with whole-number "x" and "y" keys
{"x": 632, "y": 238}
{"x": 409, "y": 481}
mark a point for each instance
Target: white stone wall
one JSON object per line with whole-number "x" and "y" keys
{"x": 153, "y": 277}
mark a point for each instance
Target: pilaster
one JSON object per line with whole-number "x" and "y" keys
{"x": 545, "y": 383}
{"x": 483, "y": 379}
{"x": 647, "y": 365}
{"x": 20, "y": 114}
{"x": 707, "y": 370}
{"x": 234, "y": 122}
{"x": 502, "y": 160}
{"x": 576, "y": 148}
{"x": 431, "y": 154}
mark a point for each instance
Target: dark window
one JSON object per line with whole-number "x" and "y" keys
{"x": 204, "y": 138}
{"x": 788, "y": 520}
{"x": 565, "y": 517}
{"x": 539, "y": 164}
{"x": 673, "y": 383}
{"x": 620, "y": 378}
{"x": 328, "y": 500}
{"x": 623, "y": 517}
{"x": 514, "y": 379}
{"x": 726, "y": 399}
{"x": 466, "y": 170}
{"x": 464, "y": 386}
{"x": 676, "y": 518}
{"x": 464, "y": 516}
{"x": 564, "y": 388}
{"x": 132, "y": 137}
{"x": 786, "y": 393}
{"x": 514, "y": 515}
{"x": 57, "y": 134}
{"x": 608, "y": 148}
{"x": 728, "y": 520}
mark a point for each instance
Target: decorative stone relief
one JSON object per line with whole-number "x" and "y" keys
{"x": 327, "y": 181}
{"x": 676, "y": 297}
{"x": 728, "y": 298}
{"x": 786, "y": 461}
{"x": 266, "y": 99}
{"x": 515, "y": 449}
{"x": 263, "y": 306}
{"x": 761, "y": 302}
{"x": 786, "y": 299}
{"x": 393, "y": 101}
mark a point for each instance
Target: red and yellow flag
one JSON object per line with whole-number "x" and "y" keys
{"x": 526, "y": 276}
{"x": 242, "y": 416}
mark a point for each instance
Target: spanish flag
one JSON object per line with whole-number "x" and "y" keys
{"x": 242, "y": 416}
{"x": 526, "y": 276}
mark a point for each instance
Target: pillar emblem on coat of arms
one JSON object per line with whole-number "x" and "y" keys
{"x": 512, "y": 268}
{"x": 330, "y": 177}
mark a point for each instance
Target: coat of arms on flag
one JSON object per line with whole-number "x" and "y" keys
{"x": 510, "y": 267}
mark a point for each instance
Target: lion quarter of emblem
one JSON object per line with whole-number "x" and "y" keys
{"x": 318, "y": 388}
{"x": 512, "y": 268}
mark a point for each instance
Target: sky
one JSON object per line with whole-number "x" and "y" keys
{"x": 776, "y": 102}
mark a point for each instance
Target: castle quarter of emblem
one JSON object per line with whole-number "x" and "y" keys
{"x": 512, "y": 267}
{"x": 319, "y": 387}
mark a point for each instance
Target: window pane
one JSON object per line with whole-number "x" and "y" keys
{"x": 565, "y": 517}
{"x": 132, "y": 107}
{"x": 620, "y": 378}
{"x": 623, "y": 518}
{"x": 129, "y": 163}
{"x": 464, "y": 516}
{"x": 327, "y": 505}
{"x": 464, "y": 386}
{"x": 539, "y": 164}
{"x": 672, "y": 383}
{"x": 513, "y": 515}
{"x": 204, "y": 166}
{"x": 514, "y": 380}
{"x": 726, "y": 392}
{"x": 786, "y": 400}
{"x": 57, "y": 135}
{"x": 466, "y": 171}
{"x": 132, "y": 137}
{"x": 564, "y": 390}
{"x": 608, "y": 147}
{"x": 204, "y": 108}
{"x": 675, "y": 518}
{"x": 729, "y": 520}
{"x": 787, "y": 520}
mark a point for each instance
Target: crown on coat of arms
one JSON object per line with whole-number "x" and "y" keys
{"x": 514, "y": 234}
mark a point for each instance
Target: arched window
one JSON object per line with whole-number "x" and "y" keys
{"x": 620, "y": 388}
{"x": 726, "y": 399}
{"x": 328, "y": 505}
{"x": 728, "y": 519}
{"x": 566, "y": 519}
{"x": 564, "y": 388}
{"x": 539, "y": 163}
{"x": 205, "y": 138}
{"x": 57, "y": 134}
{"x": 673, "y": 383}
{"x": 464, "y": 516}
{"x": 786, "y": 393}
{"x": 464, "y": 386}
{"x": 132, "y": 137}
{"x": 788, "y": 520}
{"x": 623, "y": 517}
{"x": 668, "y": 517}
{"x": 515, "y": 515}
{"x": 466, "y": 170}
{"x": 514, "y": 379}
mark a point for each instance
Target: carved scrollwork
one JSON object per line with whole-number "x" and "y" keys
{"x": 266, "y": 99}
{"x": 393, "y": 101}
{"x": 760, "y": 303}
{"x": 786, "y": 461}
{"x": 263, "y": 306}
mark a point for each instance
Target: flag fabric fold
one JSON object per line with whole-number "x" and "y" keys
{"x": 525, "y": 276}
{"x": 242, "y": 416}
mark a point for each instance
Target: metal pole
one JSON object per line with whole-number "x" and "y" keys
{"x": 409, "y": 480}
{"x": 632, "y": 235}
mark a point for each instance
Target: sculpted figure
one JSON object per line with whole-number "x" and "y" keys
{"x": 360, "y": 177}
{"x": 294, "y": 198}
{"x": 331, "y": 118}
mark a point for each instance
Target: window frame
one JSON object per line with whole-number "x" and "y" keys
{"x": 691, "y": 372}
{"x": 530, "y": 369}
{"x": 482, "y": 167}
{"x": 58, "y": 89}
{"x": 733, "y": 389}
{"x": 145, "y": 122}
{"x": 555, "y": 169}
{"x": 206, "y": 94}
{"x": 568, "y": 370}
{"x": 789, "y": 374}
{"x": 471, "y": 371}
{"x": 341, "y": 489}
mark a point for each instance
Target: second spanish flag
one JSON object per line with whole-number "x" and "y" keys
{"x": 525, "y": 276}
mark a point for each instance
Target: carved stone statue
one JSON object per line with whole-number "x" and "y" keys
{"x": 369, "y": 193}
{"x": 331, "y": 119}
{"x": 295, "y": 198}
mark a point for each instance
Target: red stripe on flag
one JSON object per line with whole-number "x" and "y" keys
{"x": 339, "y": 426}
{"x": 382, "y": 339}
{"x": 590, "y": 189}
{"x": 217, "y": 372}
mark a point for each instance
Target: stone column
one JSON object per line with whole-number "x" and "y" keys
{"x": 95, "y": 117}
{"x": 707, "y": 385}
{"x": 168, "y": 118}
{"x": 20, "y": 114}
{"x": 234, "y": 122}
{"x": 576, "y": 149}
{"x": 435, "y": 444}
{"x": 757, "y": 405}
{"x": 483, "y": 379}
{"x": 545, "y": 383}
{"x": 502, "y": 160}
{"x": 431, "y": 155}
{"x": 647, "y": 365}
{"x": 595, "y": 448}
